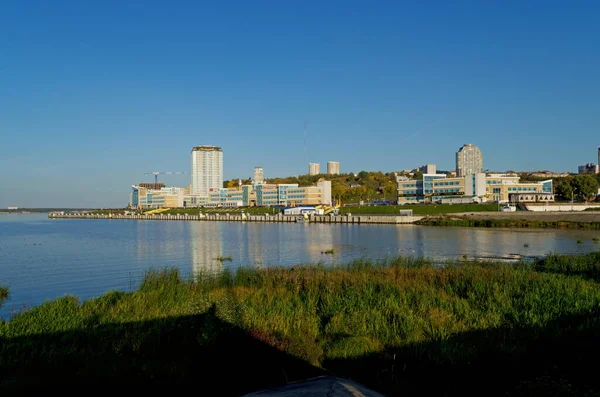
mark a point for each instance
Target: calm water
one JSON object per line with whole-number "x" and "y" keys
{"x": 43, "y": 259}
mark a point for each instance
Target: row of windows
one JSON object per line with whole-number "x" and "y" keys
{"x": 455, "y": 183}
{"x": 447, "y": 190}
{"x": 522, "y": 189}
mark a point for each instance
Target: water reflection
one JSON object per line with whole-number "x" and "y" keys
{"x": 43, "y": 259}
{"x": 206, "y": 248}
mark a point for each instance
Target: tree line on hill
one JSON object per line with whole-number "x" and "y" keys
{"x": 347, "y": 187}
{"x": 376, "y": 185}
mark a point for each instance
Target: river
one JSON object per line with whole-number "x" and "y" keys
{"x": 43, "y": 259}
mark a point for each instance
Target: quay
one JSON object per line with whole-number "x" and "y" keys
{"x": 277, "y": 218}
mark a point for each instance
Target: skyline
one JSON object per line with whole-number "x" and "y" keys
{"x": 95, "y": 96}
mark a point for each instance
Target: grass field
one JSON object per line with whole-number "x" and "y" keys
{"x": 402, "y": 326}
{"x": 420, "y": 209}
{"x": 511, "y": 223}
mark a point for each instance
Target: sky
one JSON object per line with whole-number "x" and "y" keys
{"x": 94, "y": 94}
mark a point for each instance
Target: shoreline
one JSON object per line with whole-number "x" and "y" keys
{"x": 544, "y": 220}
{"x": 555, "y": 220}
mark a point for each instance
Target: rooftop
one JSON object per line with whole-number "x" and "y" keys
{"x": 207, "y": 148}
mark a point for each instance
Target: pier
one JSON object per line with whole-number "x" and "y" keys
{"x": 278, "y": 218}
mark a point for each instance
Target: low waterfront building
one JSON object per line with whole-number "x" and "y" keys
{"x": 165, "y": 197}
{"x": 471, "y": 188}
{"x": 292, "y": 194}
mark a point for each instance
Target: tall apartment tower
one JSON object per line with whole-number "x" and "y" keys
{"x": 333, "y": 167}
{"x": 259, "y": 176}
{"x": 598, "y": 156}
{"x": 207, "y": 169}
{"x": 469, "y": 160}
{"x": 314, "y": 168}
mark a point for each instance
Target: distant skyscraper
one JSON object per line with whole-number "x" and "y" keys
{"x": 598, "y": 156}
{"x": 207, "y": 169}
{"x": 259, "y": 176}
{"x": 314, "y": 168}
{"x": 469, "y": 160}
{"x": 333, "y": 167}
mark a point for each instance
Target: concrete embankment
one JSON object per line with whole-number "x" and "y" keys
{"x": 280, "y": 218}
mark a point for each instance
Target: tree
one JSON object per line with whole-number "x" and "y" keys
{"x": 563, "y": 187}
{"x": 587, "y": 186}
{"x": 418, "y": 175}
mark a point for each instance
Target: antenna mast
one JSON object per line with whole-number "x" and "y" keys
{"x": 305, "y": 156}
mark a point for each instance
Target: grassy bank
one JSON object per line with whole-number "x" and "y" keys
{"x": 420, "y": 209}
{"x": 514, "y": 223}
{"x": 404, "y": 326}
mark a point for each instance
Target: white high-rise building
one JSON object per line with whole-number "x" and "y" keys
{"x": 259, "y": 176}
{"x": 207, "y": 169}
{"x": 333, "y": 167}
{"x": 469, "y": 160}
{"x": 314, "y": 168}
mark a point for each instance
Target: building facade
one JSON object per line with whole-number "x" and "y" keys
{"x": 166, "y": 197}
{"x": 314, "y": 168}
{"x": 469, "y": 160}
{"x": 291, "y": 194}
{"x": 207, "y": 169}
{"x": 472, "y": 188}
{"x": 333, "y": 167}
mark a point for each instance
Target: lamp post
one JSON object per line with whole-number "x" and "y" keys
{"x": 572, "y": 191}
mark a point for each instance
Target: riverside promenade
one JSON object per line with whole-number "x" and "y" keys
{"x": 278, "y": 218}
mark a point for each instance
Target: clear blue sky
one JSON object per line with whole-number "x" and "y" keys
{"x": 94, "y": 94}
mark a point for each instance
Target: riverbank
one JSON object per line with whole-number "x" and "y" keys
{"x": 522, "y": 219}
{"x": 404, "y": 326}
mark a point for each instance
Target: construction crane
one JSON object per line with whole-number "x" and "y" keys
{"x": 157, "y": 173}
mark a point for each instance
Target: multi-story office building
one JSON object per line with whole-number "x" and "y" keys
{"x": 165, "y": 197}
{"x": 267, "y": 195}
{"x": 474, "y": 187}
{"x": 469, "y": 160}
{"x": 333, "y": 167}
{"x": 207, "y": 169}
{"x": 259, "y": 176}
{"x": 314, "y": 168}
{"x": 292, "y": 194}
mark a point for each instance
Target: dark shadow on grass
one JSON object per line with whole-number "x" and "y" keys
{"x": 199, "y": 350}
{"x": 218, "y": 358}
{"x": 557, "y": 360}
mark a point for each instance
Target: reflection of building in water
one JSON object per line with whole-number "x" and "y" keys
{"x": 280, "y": 244}
{"x": 206, "y": 245}
{"x": 160, "y": 244}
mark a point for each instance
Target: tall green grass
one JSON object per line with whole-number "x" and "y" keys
{"x": 513, "y": 223}
{"x": 322, "y": 314}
